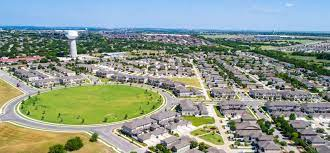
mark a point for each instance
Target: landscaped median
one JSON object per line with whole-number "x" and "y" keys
{"x": 198, "y": 121}
{"x": 91, "y": 104}
{"x": 209, "y": 133}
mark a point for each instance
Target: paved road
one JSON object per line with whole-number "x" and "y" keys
{"x": 218, "y": 124}
{"x": 207, "y": 98}
{"x": 104, "y": 131}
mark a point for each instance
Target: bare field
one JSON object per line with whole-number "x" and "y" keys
{"x": 189, "y": 81}
{"x": 7, "y": 92}
{"x": 14, "y": 139}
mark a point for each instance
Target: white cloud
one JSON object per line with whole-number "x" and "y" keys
{"x": 289, "y": 5}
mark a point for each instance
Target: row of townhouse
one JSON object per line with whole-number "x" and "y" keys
{"x": 160, "y": 67}
{"x": 232, "y": 108}
{"x": 155, "y": 126}
{"x": 51, "y": 82}
{"x": 247, "y": 130}
{"x": 285, "y": 108}
{"x": 188, "y": 108}
{"x": 182, "y": 145}
{"x": 281, "y": 94}
{"x": 89, "y": 68}
{"x": 29, "y": 75}
{"x": 308, "y": 134}
{"x": 65, "y": 71}
{"x": 39, "y": 79}
{"x": 211, "y": 76}
{"x": 223, "y": 93}
{"x": 178, "y": 89}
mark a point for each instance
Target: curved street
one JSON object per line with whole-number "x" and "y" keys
{"x": 9, "y": 114}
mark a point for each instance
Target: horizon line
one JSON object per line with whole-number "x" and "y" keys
{"x": 171, "y": 28}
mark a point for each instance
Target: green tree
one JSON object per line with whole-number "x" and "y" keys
{"x": 283, "y": 143}
{"x": 94, "y": 137}
{"x": 294, "y": 135}
{"x": 193, "y": 144}
{"x": 292, "y": 116}
{"x": 232, "y": 125}
{"x": 58, "y": 148}
{"x": 74, "y": 144}
{"x": 202, "y": 146}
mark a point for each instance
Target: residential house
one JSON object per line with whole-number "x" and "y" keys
{"x": 232, "y": 108}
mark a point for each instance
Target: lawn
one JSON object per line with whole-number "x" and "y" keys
{"x": 189, "y": 81}
{"x": 14, "y": 139}
{"x": 91, "y": 104}
{"x": 310, "y": 58}
{"x": 213, "y": 138}
{"x": 200, "y": 131}
{"x": 7, "y": 92}
{"x": 198, "y": 121}
{"x": 204, "y": 130}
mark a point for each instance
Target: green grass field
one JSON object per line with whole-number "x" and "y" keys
{"x": 198, "y": 121}
{"x": 213, "y": 138}
{"x": 310, "y": 58}
{"x": 91, "y": 104}
{"x": 204, "y": 130}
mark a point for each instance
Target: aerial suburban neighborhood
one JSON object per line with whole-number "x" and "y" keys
{"x": 96, "y": 89}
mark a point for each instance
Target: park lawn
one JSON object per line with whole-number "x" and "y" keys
{"x": 213, "y": 138}
{"x": 204, "y": 130}
{"x": 189, "y": 81}
{"x": 14, "y": 139}
{"x": 198, "y": 121}
{"x": 7, "y": 92}
{"x": 91, "y": 104}
{"x": 268, "y": 47}
{"x": 309, "y": 58}
{"x": 303, "y": 41}
{"x": 200, "y": 131}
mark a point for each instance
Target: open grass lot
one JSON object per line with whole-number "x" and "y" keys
{"x": 192, "y": 81}
{"x": 204, "y": 130}
{"x": 213, "y": 138}
{"x": 14, "y": 139}
{"x": 310, "y": 58}
{"x": 198, "y": 121}
{"x": 91, "y": 104}
{"x": 7, "y": 92}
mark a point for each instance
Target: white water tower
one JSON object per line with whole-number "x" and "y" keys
{"x": 72, "y": 36}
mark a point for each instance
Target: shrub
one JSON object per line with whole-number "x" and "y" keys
{"x": 193, "y": 144}
{"x": 94, "y": 137}
{"x": 74, "y": 144}
{"x": 57, "y": 149}
{"x": 283, "y": 143}
{"x": 292, "y": 116}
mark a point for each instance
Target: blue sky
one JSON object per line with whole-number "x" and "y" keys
{"x": 298, "y": 15}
